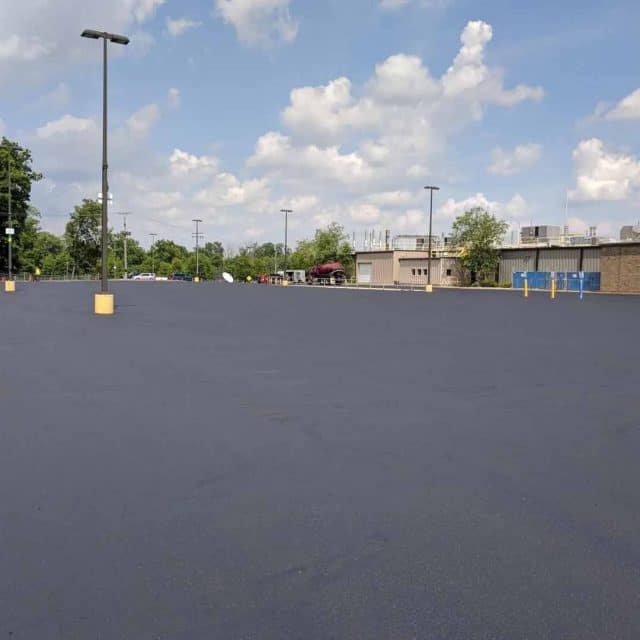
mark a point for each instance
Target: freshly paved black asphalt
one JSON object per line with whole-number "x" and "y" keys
{"x": 244, "y": 462}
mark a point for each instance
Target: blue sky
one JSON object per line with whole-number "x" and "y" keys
{"x": 229, "y": 110}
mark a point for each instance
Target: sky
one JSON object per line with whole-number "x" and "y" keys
{"x": 341, "y": 110}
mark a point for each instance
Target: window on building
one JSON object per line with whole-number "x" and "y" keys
{"x": 413, "y": 272}
{"x": 419, "y": 272}
{"x": 448, "y": 272}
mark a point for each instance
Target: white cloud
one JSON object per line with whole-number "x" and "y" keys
{"x": 178, "y": 26}
{"x": 22, "y": 49}
{"x": 451, "y": 209}
{"x": 49, "y": 33}
{"x": 275, "y": 152}
{"x": 67, "y": 124}
{"x": 403, "y": 119}
{"x": 602, "y": 175}
{"x": 58, "y": 97}
{"x": 259, "y": 22}
{"x": 627, "y": 109}
{"x": 365, "y": 213}
{"x": 173, "y": 98}
{"x": 227, "y": 190}
{"x": 509, "y": 163}
{"x": 183, "y": 164}
{"x": 142, "y": 121}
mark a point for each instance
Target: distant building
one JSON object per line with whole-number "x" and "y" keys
{"x": 630, "y": 232}
{"x": 545, "y": 235}
{"x": 420, "y": 243}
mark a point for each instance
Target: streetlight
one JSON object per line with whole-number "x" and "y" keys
{"x": 431, "y": 190}
{"x": 286, "y": 220}
{"x": 124, "y": 215}
{"x": 9, "y": 230}
{"x": 197, "y": 235}
{"x": 153, "y": 251}
{"x": 104, "y": 289}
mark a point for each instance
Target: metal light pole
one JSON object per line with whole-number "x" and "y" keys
{"x": 286, "y": 220}
{"x": 431, "y": 190}
{"x": 96, "y": 35}
{"x": 153, "y": 251}
{"x": 197, "y": 235}
{"x": 124, "y": 215}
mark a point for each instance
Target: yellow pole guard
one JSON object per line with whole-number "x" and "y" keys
{"x": 9, "y": 286}
{"x": 526, "y": 288}
{"x": 553, "y": 288}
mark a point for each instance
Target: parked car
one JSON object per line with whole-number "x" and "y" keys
{"x": 144, "y": 276}
{"x": 184, "y": 277}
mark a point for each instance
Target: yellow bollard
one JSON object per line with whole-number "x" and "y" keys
{"x": 526, "y": 288}
{"x": 9, "y": 286}
{"x": 553, "y": 288}
{"x": 103, "y": 304}
{"x": 196, "y": 279}
{"x": 429, "y": 288}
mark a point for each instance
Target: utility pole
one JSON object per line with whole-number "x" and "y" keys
{"x": 153, "y": 251}
{"x": 431, "y": 190}
{"x": 124, "y": 215}
{"x": 286, "y": 219}
{"x": 197, "y": 235}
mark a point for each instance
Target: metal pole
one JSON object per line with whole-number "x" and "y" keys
{"x": 153, "y": 251}
{"x": 197, "y": 236}
{"x": 105, "y": 180}
{"x": 286, "y": 222}
{"x": 431, "y": 190}
{"x": 9, "y": 238}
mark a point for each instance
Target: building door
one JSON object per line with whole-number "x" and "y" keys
{"x": 365, "y": 271}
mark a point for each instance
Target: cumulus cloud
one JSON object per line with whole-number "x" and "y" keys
{"x": 183, "y": 164}
{"x": 142, "y": 121}
{"x": 259, "y": 22}
{"x": 402, "y": 118}
{"x": 67, "y": 124}
{"x": 179, "y": 26}
{"x": 49, "y": 33}
{"x": 451, "y": 209}
{"x": 627, "y": 109}
{"x": 509, "y": 163}
{"x": 603, "y": 175}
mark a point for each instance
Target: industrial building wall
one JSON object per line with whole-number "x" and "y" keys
{"x": 559, "y": 260}
{"x": 591, "y": 259}
{"x": 374, "y": 267}
{"x": 513, "y": 261}
{"x": 414, "y": 271}
{"x": 620, "y": 268}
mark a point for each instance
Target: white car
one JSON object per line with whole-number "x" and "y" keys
{"x": 145, "y": 276}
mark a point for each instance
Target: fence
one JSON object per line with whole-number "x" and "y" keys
{"x": 565, "y": 280}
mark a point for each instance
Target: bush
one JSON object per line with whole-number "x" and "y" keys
{"x": 488, "y": 283}
{"x": 505, "y": 285}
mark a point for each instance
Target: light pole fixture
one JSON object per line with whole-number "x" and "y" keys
{"x": 197, "y": 235}
{"x": 104, "y": 304}
{"x": 431, "y": 190}
{"x": 153, "y": 251}
{"x": 286, "y": 221}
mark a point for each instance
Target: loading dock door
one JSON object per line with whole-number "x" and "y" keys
{"x": 365, "y": 270}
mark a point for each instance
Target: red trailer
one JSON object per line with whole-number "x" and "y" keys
{"x": 327, "y": 273}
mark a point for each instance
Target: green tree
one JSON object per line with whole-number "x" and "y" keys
{"x": 330, "y": 244}
{"x": 18, "y": 160}
{"x": 82, "y": 237}
{"x": 477, "y": 234}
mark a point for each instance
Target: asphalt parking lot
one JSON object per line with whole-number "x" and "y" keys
{"x": 246, "y": 462}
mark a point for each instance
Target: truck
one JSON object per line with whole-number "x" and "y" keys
{"x": 328, "y": 273}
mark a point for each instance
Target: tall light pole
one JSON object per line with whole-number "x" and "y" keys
{"x": 124, "y": 215}
{"x": 431, "y": 190}
{"x": 197, "y": 236}
{"x": 153, "y": 251}
{"x": 117, "y": 39}
{"x": 9, "y": 229}
{"x": 286, "y": 221}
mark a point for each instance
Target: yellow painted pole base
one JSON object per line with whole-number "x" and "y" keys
{"x": 196, "y": 279}
{"x": 285, "y": 283}
{"x": 9, "y": 286}
{"x": 429, "y": 288}
{"x": 103, "y": 304}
